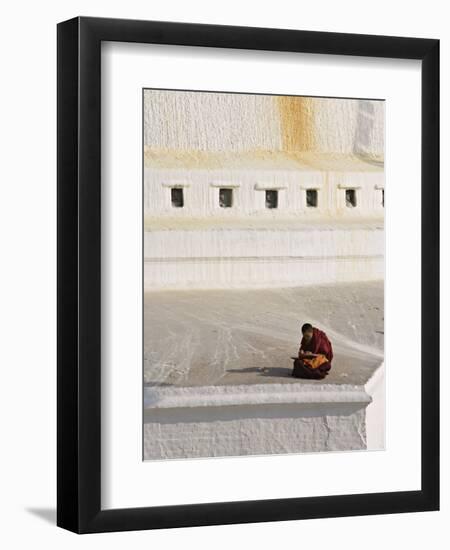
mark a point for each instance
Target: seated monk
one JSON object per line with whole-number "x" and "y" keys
{"x": 314, "y": 356}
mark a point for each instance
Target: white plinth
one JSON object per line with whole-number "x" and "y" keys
{"x": 259, "y": 419}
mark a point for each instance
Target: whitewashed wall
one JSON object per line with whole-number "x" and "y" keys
{"x": 210, "y": 121}
{"x": 201, "y": 142}
{"x": 201, "y": 192}
{"x": 236, "y": 122}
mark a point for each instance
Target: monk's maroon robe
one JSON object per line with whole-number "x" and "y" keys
{"x": 319, "y": 343}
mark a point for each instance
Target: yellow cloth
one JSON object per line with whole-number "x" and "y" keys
{"x": 315, "y": 362}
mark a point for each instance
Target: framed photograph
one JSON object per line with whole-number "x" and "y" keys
{"x": 248, "y": 323}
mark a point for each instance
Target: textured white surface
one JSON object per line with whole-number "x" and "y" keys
{"x": 376, "y": 410}
{"x": 253, "y": 430}
{"x": 203, "y": 121}
{"x": 309, "y": 241}
{"x": 218, "y": 364}
{"x": 201, "y": 193}
{"x": 240, "y": 258}
{"x": 250, "y": 144}
{"x": 254, "y": 394}
{"x": 255, "y": 273}
{"x": 233, "y": 122}
{"x": 236, "y": 337}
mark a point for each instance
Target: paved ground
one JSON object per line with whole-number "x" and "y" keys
{"x": 227, "y": 337}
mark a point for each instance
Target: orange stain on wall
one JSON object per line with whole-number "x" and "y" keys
{"x": 297, "y": 123}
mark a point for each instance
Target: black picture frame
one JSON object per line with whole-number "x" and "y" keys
{"x": 79, "y": 281}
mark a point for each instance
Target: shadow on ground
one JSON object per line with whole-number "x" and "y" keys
{"x": 274, "y": 372}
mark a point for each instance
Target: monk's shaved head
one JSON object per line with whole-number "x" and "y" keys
{"x": 307, "y": 331}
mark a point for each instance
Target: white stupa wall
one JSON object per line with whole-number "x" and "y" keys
{"x": 183, "y": 422}
{"x": 202, "y": 142}
{"x": 226, "y": 122}
{"x": 197, "y": 121}
{"x": 349, "y": 126}
{"x": 310, "y": 243}
{"x": 254, "y": 430}
{"x": 201, "y": 193}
